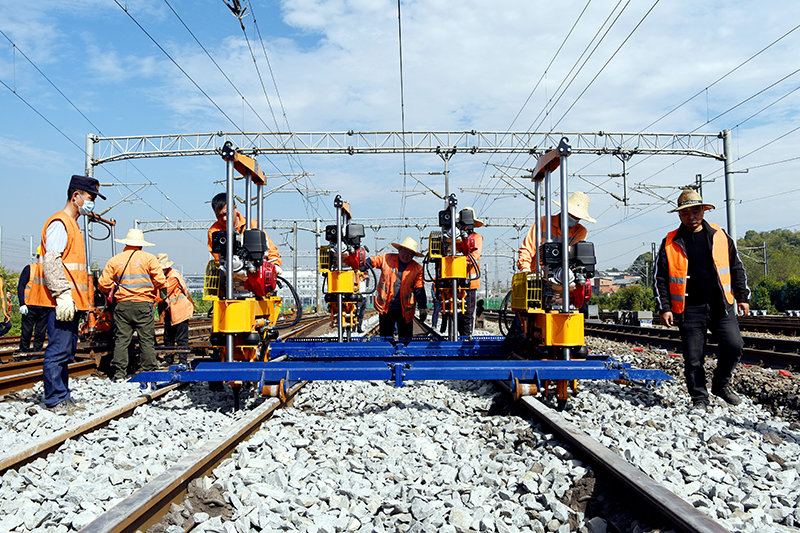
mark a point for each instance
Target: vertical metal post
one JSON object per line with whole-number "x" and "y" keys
{"x": 766, "y": 271}
{"x": 259, "y": 206}
{"x": 247, "y": 200}
{"x": 318, "y": 304}
{"x": 698, "y": 182}
{"x": 89, "y": 168}
{"x": 113, "y": 237}
{"x": 548, "y": 224}
{"x": 453, "y": 334}
{"x": 564, "y": 237}
{"x": 229, "y": 252}
{"x": 294, "y": 261}
{"x": 730, "y": 200}
{"x": 338, "y": 266}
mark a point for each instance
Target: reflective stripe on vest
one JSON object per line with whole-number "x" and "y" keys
{"x": 74, "y": 259}
{"x": 678, "y": 265}
{"x": 180, "y": 307}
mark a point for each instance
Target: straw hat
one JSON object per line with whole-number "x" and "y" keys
{"x": 478, "y": 223}
{"x": 135, "y": 237}
{"x": 690, "y": 198}
{"x": 409, "y": 244}
{"x": 578, "y": 206}
{"x": 163, "y": 261}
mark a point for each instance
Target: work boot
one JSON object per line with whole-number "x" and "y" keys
{"x": 700, "y": 404}
{"x": 727, "y": 394}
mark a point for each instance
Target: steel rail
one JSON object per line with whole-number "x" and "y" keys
{"x": 45, "y": 446}
{"x": 24, "y": 380}
{"x": 151, "y": 502}
{"x": 682, "y": 515}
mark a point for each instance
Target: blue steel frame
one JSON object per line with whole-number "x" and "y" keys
{"x": 384, "y": 360}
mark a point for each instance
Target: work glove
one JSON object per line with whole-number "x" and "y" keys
{"x": 65, "y": 307}
{"x": 23, "y": 309}
{"x": 278, "y": 270}
{"x": 423, "y": 315}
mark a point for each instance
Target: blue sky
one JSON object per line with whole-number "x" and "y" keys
{"x": 467, "y": 64}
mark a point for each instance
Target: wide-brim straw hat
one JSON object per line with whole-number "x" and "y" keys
{"x": 478, "y": 223}
{"x": 690, "y": 198}
{"x": 578, "y": 206}
{"x": 163, "y": 261}
{"x": 135, "y": 237}
{"x": 409, "y": 244}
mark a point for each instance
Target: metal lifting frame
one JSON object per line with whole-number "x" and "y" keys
{"x": 381, "y": 359}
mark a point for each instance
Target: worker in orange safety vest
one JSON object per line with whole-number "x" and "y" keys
{"x": 577, "y": 210}
{"x": 400, "y": 288}
{"x": 471, "y": 245}
{"x": 220, "y": 206}
{"x": 698, "y": 278}
{"x": 63, "y": 288}
{"x": 177, "y": 307}
{"x": 132, "y": 279}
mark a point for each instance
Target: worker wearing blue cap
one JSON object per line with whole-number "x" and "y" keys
{"x": 62, "y": 286}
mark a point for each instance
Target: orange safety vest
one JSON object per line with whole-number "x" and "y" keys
{"x": 181, "y": 307}
{"x": 142, "y": 277}
{"x": 273, "y": 256}
{"x": 35, "y": 270}
{"x": 74, "y": 259}
{"x": 679, "y": 266}
{"x": 412, "y": 278}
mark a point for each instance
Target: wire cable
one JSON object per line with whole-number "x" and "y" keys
{"x": 402, "y": 111}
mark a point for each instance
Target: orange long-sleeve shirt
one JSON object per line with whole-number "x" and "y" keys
{"x": 273, "y": 256}
{"x": 141, "y": 279}
{"x": 527, "y": 251}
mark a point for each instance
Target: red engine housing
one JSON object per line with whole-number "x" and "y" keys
{"x": 263, "y": 281}
{"x": 467, "y": 245}
{"x": 356, "y": 259}
{"x": 581, "y": 294}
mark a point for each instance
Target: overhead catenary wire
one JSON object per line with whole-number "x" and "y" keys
{"x": 402, "y": 108}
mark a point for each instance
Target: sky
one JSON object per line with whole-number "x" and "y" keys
{"x": 72, "y": 68}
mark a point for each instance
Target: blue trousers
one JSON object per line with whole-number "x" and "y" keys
{"x": 60, "y": 352}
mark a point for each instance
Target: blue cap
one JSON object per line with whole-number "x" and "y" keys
{"x": 85, "y": 183}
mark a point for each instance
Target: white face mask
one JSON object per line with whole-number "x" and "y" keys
{"x": 87, "y": 207}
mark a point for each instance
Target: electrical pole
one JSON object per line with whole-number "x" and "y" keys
{"x": 730, "y": 200}
{"x": 766, "y": 271}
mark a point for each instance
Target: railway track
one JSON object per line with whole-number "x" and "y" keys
{"x": 151, "y": 502}
{"x": 771, "y": 352}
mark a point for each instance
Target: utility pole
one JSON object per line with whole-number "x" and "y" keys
{"x": 766, "y": 271}
{"x": 698, "y": 183}
{"x": 730, "y": 200}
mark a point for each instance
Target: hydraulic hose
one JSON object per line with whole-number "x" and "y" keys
{"x": 298, "y": 306}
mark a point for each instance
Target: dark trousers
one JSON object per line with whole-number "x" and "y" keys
{"x": 467, "y": 318}
{"x": 437, "y": 309}
{"x": 693, "y": 323}
{"x": 5, "y": 327}
{"x": 362, "y": 308}
{"x": 175, "y": 334}
{"x": 130, "y": 317}
{"x": 387, "y": 322}
{"x": 60, "y": 352}
{"x": 33, "y": 324}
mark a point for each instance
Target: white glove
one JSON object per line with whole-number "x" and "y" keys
{"x": 65, "y": 307}
{"x": 278, "y": 270}
{"x": 23, "y": 309}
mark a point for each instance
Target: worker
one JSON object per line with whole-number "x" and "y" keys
{"x": 219, "y": 203}
{"x": 177, "y": 307}
{"x": 577, "y": 210}
{"x": 437, "y": 307}
{"x": 34, "y": 318}
{"x": 132, "y": 279}
{"x": 400, "y": 287}
{"x": 699, "y": 283}
{"x": 63, "y": 289}
{"x": 5, "y": 326}
{"x": 471, "y": 245}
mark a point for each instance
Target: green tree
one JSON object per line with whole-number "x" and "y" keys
{"x": 642, "y": 266}
{"x": 10, "y": 280}
{"x": 790, "y": 294}
{"x": 636, "y": 298}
